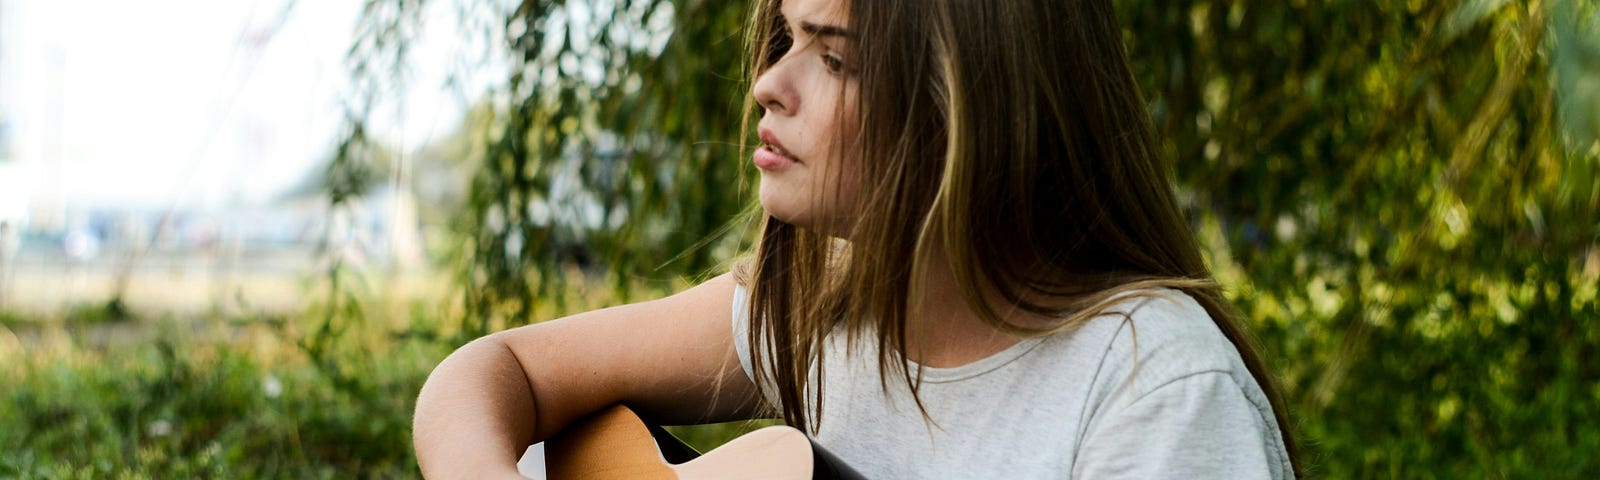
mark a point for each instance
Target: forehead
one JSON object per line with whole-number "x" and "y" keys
{"x": 835, "y": 12}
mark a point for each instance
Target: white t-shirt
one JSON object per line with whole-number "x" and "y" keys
{"x": 1060, "y": 406}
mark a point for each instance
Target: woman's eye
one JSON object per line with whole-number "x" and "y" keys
{"x": 834, "y": 63}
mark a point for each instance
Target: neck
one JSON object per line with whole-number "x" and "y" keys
{"x": 945, "y": 329}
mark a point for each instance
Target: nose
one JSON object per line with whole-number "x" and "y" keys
{"x": 774, "y": 90}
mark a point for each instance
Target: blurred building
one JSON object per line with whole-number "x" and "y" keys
{"x": 15, "y": 187}
{"x": 12, "y": 198}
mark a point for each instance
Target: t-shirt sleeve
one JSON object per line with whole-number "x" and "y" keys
{"x": 741, "y": 328}
{"x": 741, "y": 340}
{"x": 1198, "y": 426}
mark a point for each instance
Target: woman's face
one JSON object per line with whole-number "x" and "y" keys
{"x": 807, "y": 130}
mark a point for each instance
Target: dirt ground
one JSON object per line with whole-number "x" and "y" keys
{"x": 182, "y": 286}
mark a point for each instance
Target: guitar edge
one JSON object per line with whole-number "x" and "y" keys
{"x": 616, "y": 444}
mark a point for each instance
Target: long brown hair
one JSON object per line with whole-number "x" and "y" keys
{"x": 1007, "y": 139}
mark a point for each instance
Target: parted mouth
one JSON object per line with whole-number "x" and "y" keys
{"x": 770, "y": 141}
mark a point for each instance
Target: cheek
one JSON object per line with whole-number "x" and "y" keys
{"x": 849, "y": 148}
{"x": 849, "y": 184}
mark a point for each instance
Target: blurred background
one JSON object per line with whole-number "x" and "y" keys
{"x": 235, "y": 236}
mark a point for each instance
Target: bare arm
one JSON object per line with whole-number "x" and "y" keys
{"x": 485, "y": 403}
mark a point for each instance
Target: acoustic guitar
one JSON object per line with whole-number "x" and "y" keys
{"x": 616, "y": 444}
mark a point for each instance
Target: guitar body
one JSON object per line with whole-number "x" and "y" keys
{"x": 616, "y": 444}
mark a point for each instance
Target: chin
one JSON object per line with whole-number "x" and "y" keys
{"x": 787, "y": 209}
{"x": 798, "y": 207}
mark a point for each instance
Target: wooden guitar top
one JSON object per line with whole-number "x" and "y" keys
{"x": 616, "y": 444}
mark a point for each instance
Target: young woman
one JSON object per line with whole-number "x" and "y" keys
{"x": 973, "y": 266}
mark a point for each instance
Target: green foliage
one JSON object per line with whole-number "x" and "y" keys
{"x": 609, "y": 143}
{"x": 111, "y": 311}
{"x": 1391, "y": 192}
{"x": 9, "y": 318}
{"x": 596, "y": 159}
{"x": 182, "y": 408}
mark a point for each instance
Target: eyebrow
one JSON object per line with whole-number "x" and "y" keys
{"x": 821, "y": 30}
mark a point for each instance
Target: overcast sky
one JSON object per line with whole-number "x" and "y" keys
{"x": 195, "y": 103}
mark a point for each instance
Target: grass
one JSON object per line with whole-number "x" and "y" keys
{"x": 95, "y": 395}
{"x": 179, "y": 407}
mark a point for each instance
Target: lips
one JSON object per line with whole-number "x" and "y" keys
{"x": 771, "y": 143}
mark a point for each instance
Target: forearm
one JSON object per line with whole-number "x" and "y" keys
{"x": 475, "y": 415}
